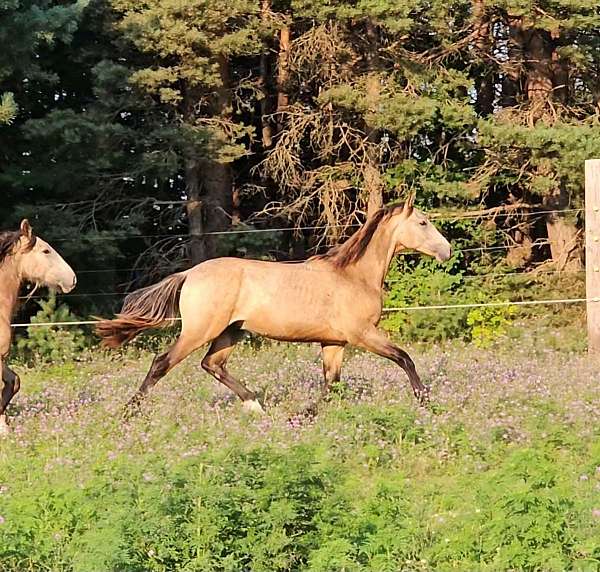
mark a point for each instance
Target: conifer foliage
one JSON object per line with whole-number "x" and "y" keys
{"x": 174, "y": 120}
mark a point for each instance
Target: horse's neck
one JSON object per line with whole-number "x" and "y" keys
{"x": 10, "y": 281}
{"x": 373, "y": 265}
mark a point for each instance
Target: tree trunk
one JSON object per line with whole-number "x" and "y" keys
{"x": 283, "y": 73}
{"x": 522, "y": 254}
{"x": 539, "y": 73}
{"x": 209, "y": 192}
{"x": 541, "y": 81}
{"x": 485, "y": 78}
{"x": 209, "y": 185}
{"x": 371, "y": 175}
{"x": 532, "y": 57}
{"x": 511, "y": 82}
{"x": 560, "y": 72}
{"x": 374, "y": 188}
{"x": 265, "y": 102}
{"x": 195, "y": 212}
{"x": 562, "y": 233}
{"x": 217, "y": 194}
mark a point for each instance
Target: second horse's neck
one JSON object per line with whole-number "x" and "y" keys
{"x": 10, "y": 281}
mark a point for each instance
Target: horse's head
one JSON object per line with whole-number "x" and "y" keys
{"x": 41, "y": 264}
{"x": 415, "y": 232}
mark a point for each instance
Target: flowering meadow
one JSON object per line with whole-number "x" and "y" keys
{"x": 500, "y": 472}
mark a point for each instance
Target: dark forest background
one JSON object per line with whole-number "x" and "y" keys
{"x": 132, "y": 131}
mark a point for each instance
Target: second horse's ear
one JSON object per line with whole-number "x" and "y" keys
{"x": 26, "y": 229}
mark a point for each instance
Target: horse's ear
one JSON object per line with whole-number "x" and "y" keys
{"x": 409, "y": 204}
{"x": 26, "y": 229}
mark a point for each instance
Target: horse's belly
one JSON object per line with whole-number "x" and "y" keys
{"x": 293, "y": 331}
{"x": 298, "y": 318}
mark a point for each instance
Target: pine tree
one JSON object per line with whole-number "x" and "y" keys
{"x": 366, "y": 107}
{"x": 26, "y": 27}
{"x": 186, "y": 72}
{"x": 542, "y": 130}
{"x": 157, "y": 118}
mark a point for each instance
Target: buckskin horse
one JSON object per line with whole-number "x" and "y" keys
{"x": 334, "y": 299}
{"x": 24, "y": 257}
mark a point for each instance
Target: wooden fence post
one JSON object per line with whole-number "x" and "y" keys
{"x": 592, "y": 252}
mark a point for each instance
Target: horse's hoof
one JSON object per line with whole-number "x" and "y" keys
{"x": 423, "y": 397}
{"x": 253, "y": 406}
{"x": 311, "y": 411}
{"x": 131, "y": 410}
{"x": 4, "y": 428}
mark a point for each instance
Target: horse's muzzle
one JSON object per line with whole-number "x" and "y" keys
{"x": 68, "y": 288}
{"x": 445, "y": 255}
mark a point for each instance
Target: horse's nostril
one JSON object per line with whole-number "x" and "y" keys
{"x": 74, "y": 281}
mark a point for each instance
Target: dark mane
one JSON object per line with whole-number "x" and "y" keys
{"x": 353, "y": 249}
{"x": 9, "y": 240}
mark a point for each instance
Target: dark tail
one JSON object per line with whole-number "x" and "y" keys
{"x": 151, "y": 307}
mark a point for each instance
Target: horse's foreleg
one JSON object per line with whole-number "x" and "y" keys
{"x": 214, "y": 363}
{"x": 332, "y": 365}
{"x": 332, "y": 355}
{"x": 10, "y": 386}
{"x": 375, "y": 341}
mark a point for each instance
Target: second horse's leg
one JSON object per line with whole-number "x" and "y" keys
{"x": 10, "y": 386}
{"x": 214, "y": 363}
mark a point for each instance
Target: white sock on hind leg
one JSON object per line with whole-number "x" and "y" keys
{"x": 253, "y": 405}
{"x": 4, "y": 429}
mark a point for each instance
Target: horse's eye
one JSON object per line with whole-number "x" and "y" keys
{"x": 423, "y": 223}
{"x": 46, "y": 251}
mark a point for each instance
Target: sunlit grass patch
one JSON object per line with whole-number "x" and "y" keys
{"x": 501, "y": 472}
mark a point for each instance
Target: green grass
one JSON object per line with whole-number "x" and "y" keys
{"x": 502, "y": 472}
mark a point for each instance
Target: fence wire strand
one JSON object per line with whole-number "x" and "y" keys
{"x": 471, "y": 249}
{"x": 526, "y": 275}
{"x": 397, "y": 309}
{"x": 433, "y": 216}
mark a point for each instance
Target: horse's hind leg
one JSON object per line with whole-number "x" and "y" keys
{"x": 214, "y": 363}
{"x": 163, "y": 363}
{"x": 374, "y": 341}
{"x": 10, "y": 386}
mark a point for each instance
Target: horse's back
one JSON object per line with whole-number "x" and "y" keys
{"x": 260, "y": 282}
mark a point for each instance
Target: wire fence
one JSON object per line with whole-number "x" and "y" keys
{"x": 459, "y": 249}
{"x": 532, "y": 275}
{"x": 433, "y": 216}
{"x": 507, "y": 210}
{"x": 438, "y": 216}
{"x": 397, "y": 309}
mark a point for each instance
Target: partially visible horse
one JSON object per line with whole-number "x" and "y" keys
{"x": 334, "y": 299}
{"x": 24, "y": 257}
